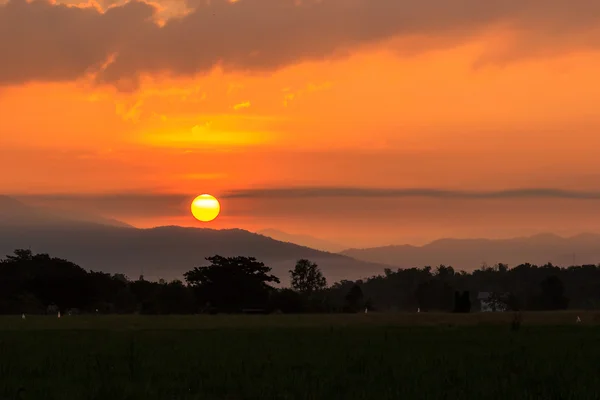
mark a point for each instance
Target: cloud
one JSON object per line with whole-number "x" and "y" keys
{"x": 348, "y": 192}
{"x": 241, "y": 106}
{"x": 49, "y": 42}
{"x": 52, "y": 42}
{"x": 383, "y": 207}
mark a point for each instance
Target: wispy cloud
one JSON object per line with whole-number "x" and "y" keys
{"x": 241, "y": 106}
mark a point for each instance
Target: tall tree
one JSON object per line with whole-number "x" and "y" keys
{"x": 232, "y": 283}
{"x": 48, "y": 279}
{"x": 307, "y": 277}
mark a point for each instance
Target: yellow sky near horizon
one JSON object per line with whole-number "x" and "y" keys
{"x": 487, "y": 109}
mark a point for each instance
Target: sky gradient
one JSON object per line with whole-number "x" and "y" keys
{"x": 131, "y": 109}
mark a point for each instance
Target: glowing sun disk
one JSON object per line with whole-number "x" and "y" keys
{"x": 205, "y": 208}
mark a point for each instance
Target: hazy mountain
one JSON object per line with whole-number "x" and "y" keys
{"x": 469, "y": 254}
{"x": 16, "y": 213}
{"x": 168, "y": 252}
{"x": 303, "y": 240}
{"x": 13, "y": 212}
{"x": 165, "y": 252}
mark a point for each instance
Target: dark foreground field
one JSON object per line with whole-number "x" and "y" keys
{"x": 346, "y": 357}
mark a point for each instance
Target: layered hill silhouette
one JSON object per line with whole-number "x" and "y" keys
{"x": 304, "y": 240}
{"x": 164, "y": 252}
{"x": 469, "y": 254}
{"x": 107, "y": 245}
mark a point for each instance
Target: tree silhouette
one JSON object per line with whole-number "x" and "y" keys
{"x": 48, "y": 279}
{"x": 457, "y": 302}
{"x": 462, "y": 302}
{"x": 146, "y": 294}
{"x": 466, "y": 302}
{"x": 307, "y": 278}
{"x": 354, "y": 298}
{"x": 287, "y": 301}
{"x": 232, "y": 283}
{"x": 435, "y": 294}
{"x": 501, "y": 302}
{"x": 36, "y": 283}
{"x": 175, "y": 298}
{"x": 552, "y": 297}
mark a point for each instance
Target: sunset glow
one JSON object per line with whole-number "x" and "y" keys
{"x": 467, "y": 96}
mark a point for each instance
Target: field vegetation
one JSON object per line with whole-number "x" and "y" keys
{"x": 344, "y": 356}
{"x": 122, "y": 339}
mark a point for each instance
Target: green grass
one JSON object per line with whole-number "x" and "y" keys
{"x": 374, "y": 356}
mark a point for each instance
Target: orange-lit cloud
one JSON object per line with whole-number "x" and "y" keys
{"x": 46, "y": 41}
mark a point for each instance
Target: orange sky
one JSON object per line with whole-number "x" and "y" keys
{"x": 218, "y": 97}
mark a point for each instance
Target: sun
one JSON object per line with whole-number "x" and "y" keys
{"x": 205, "y": 208}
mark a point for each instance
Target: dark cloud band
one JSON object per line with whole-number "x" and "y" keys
{"x": 403, "y": 193}
{"x": 44, "y": 41}
{"x": 284, "y": 201}
{"x": 159, "y": 200}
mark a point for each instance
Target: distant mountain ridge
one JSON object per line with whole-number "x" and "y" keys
{"x": 163, "y": 252}
{"x": 303, "y": 240}
{"x": 106, "y": 245}
{"x": 469, "y": 254}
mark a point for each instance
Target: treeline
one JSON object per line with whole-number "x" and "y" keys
{"x": 524, "y": 287}
{"x": 37, "y": 284}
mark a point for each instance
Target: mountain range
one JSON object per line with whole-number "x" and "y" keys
{"x": 165, "y": 252}
{"x": 469, "y": 254}
{"x": 304, "y": 240}
{"x": 103, "y": 244}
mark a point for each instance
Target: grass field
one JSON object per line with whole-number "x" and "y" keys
{"x": 373, "y": 356}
